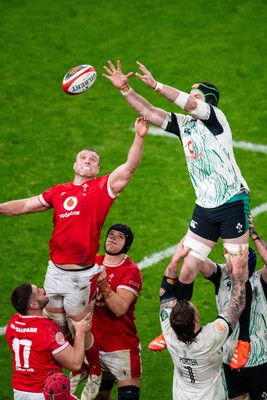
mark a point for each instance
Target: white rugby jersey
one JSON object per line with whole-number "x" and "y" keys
{"x": 207, "y": 144}
{"x": 197, "y": 367}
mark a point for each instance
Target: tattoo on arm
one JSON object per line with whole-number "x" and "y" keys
{"x": 237, "y": 300}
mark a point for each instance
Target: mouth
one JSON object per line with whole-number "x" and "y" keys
{"x": 86, "y": 168}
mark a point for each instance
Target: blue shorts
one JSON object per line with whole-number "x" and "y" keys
{"x": 227, "y": 221}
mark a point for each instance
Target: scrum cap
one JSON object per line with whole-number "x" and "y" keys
{"x": 128, "y": 236}
{"x": 210, "y": 92}
{"x": 57, "y": 387}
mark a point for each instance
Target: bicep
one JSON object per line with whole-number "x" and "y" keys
{"x": 64, "y": 357}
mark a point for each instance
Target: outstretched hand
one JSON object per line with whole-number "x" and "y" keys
{"x": 141, "y": 126}
{"x": 147, "y": 77}
{"x": 116, "y": 77}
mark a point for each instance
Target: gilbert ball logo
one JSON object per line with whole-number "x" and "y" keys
{"x": 70, "y": 203}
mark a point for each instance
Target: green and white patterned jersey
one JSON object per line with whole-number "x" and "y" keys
{"x": 258, "y": 319}
{"x": 207, "y": 144}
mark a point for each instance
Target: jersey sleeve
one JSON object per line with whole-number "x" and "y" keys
{"x": 46, "y": 198}
{"x": 131, "y": 280}
{"x": 55, "y": 338}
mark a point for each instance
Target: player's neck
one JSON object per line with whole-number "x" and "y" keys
{"x": 114, "y": 260}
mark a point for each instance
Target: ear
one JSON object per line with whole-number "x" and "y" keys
{"x": 74, "y": 165}
{"x": 34, "y": 305}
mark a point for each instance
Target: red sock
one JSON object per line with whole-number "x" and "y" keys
{"x": 92, "y": 356}
{"x": 84, "y": 367}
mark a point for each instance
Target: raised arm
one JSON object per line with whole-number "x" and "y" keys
{"x": 260, "y": 244}
{"x": 153, "y": 114}
{"x": 23, "y": 206}
{"x": 122, "y": 175}
{"x": 118, "y": 302}
{"x": 167, "y": 288}
{"x": 184, "y": 100}
{"x": 238, "y": 293}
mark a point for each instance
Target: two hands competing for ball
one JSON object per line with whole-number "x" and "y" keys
{"x": 120, "y": 81}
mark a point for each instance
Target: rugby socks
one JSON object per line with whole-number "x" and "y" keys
{"x": 92, "y": 356}
{"x": 184, "y": 291}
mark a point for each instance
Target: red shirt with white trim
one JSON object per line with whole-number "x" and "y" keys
{"x": 79, "y": 214}
{"x": 113, "y": 333}
{"x": 33, "y": 341}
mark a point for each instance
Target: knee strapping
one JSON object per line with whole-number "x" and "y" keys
{"x": 232, "y": 248}
{"x": 130, "y": 392}
{"x": 198, "y": 249}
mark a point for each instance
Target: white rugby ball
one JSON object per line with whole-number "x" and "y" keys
{"x": 79, "y": 79}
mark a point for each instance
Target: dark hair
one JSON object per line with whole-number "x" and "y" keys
{"x": 20, "y": 298}
{"x": 182, "y": 320}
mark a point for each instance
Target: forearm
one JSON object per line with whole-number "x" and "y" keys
{"x": 12, "y": 208}
{"x": 237, "y": 300}
{"x": 153, "y": 114}
{"x": 23, "y": 206}
{"x": 113, "y": 301}
{"x": 260, "y": 244}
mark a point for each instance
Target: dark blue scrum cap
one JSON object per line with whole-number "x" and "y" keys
{"x": 129, "y": 237}
{"x": 210, "y": 92}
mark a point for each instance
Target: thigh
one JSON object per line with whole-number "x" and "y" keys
{"x": 233, "y": 220}
{"x": 202, "y": 224}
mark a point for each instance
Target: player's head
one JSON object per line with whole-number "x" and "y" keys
{"x": 27, "y": 297}
{"x": 209, "y": 91}
{"x": 182, "y": 319}
{"x": 252, "y": 261}
{"x": 119, "y": 236}
{"x": 20, "y": 298}
{"x": 57, "y": 387}
{"x": 87, "y": 163}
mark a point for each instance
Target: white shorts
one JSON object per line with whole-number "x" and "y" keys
{"x": 122, "y": 364}
{"x": 69, "y": 288}
{"x": 19, "y": 395}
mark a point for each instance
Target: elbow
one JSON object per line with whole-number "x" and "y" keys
{"x": 76, "y": 366}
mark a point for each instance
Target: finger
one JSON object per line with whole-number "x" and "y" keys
{"x": 107, "y": 70}
{"x": 118, "y": 65}
{"x": 111, "y": 66}
{"x": 129, "y": 74}
{"x": 106, "y": 76}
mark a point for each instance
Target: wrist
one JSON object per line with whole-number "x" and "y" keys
{"x": 105, "y": 289}
{"x": 159, "y": 87}
{"x": 253, "y": 234}
{"x": 125, "y": 89}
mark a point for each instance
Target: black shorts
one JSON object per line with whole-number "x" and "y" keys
{"x": 250, "y": 380}
{"x": 227, "y": 221}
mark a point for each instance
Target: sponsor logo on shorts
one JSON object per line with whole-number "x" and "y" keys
{"x": 239, "y": 227}
{"x": 193, "y": 224}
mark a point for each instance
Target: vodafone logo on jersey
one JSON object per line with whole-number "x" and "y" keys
{"x": 70, "y": 203}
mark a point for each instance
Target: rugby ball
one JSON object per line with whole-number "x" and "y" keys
{"x": 79, "y": 79}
